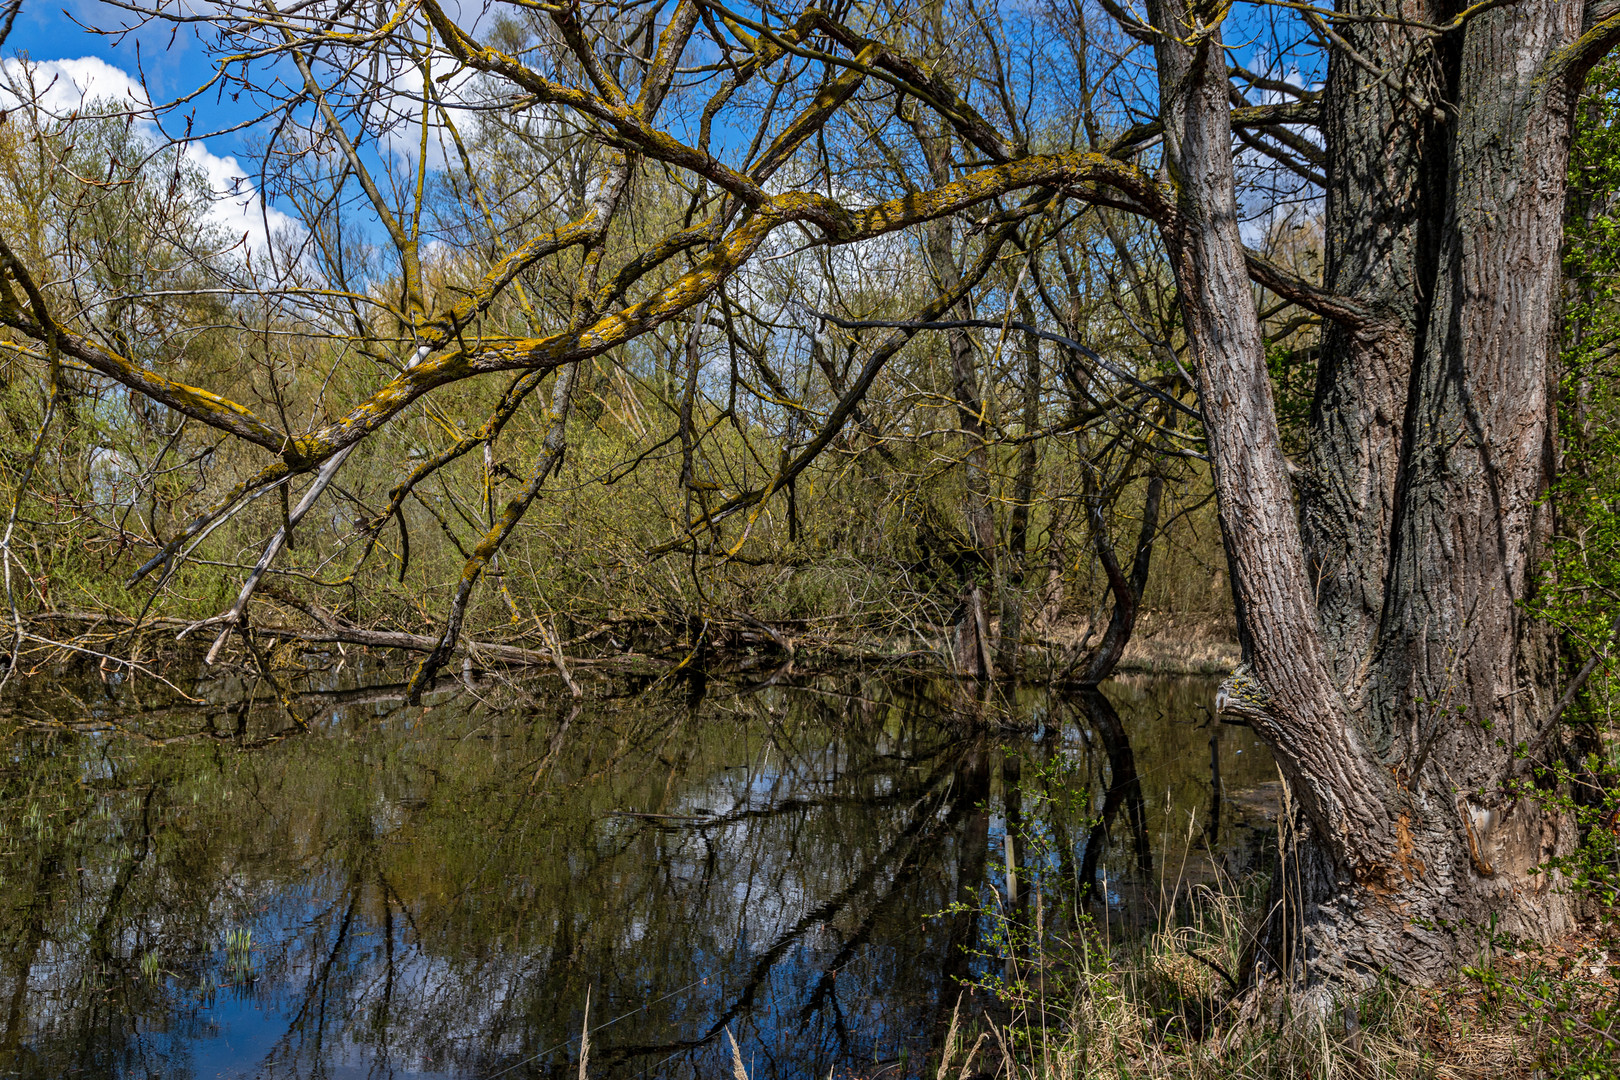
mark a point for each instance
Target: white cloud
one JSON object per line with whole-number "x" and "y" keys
{"x": 62, "y": 88}
{"x": 1271, "y": 198}
{"x": 398, "y": 115}
{"x": 237, "y": 205}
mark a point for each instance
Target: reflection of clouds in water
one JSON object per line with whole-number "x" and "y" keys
{"x": 458, "y": 933}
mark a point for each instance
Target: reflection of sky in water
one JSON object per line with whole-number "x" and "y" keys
{"x": 781, "y": 880}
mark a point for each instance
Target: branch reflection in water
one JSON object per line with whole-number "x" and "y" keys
{"x": 205, "y": 890}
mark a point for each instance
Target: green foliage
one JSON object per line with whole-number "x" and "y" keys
{"x": 1293, "y": 381}
{"x": 1088, "y": 990}
{"x": 1563, "y": 1003}
{"x": 1581, "y": 597}
{"x": 1584, "y": 580}
{"x": 632, "y": 539}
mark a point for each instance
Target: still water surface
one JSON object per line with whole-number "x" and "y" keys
{"x": 200, "y": 891}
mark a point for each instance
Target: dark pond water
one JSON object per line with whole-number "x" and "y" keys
{"x": 200, "y": 890}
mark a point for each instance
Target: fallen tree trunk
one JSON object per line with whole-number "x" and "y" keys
{"x": 349, "y": 635}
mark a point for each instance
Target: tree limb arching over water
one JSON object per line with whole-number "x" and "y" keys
{"x": 583, "y": 238}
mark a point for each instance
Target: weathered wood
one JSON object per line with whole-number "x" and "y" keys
{"x": 1382, "y": 216}
{"x": 1308, "y": 731}
{"x": 1396, "y": 671}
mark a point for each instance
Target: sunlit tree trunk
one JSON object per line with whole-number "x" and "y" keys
{"x": 1400, "y": 685}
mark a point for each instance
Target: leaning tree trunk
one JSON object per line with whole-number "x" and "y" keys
{"x": 1394, "y": 685}
{"x": 1127, "y": 590}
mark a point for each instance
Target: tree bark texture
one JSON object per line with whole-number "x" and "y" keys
{"x": 1255, "y": 505}
{"x": 1382, "y": 614}
{"x": 1385, "y": 152}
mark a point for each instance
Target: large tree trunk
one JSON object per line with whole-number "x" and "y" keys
{"x": 1460, "y": 679}
{"x": 1273, "y": 593}
{"x": 1392, "y": 669}
{"x": 1385, "y": 154}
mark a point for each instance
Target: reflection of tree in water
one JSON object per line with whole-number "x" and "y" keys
{"x": 1124, "y": 792}
{"x": 435, "y": 889}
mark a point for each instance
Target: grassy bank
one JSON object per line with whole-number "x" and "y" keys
{"x": 1063, "y": 992}
{"x": 1158, "y": 1008}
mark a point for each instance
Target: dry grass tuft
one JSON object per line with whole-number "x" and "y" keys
{"x": 1162, "y": 643}
{"x": 1160, "y": 1010}
{"x": 1182, "y": 644}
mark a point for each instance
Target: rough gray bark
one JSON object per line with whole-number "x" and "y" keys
{"x": 1471, "y": 522}
{"x": 1383, "y": 149}
{"x": 1394, "y": 671}
{"x": 1273, "y": 592}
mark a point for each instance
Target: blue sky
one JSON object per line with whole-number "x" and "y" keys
{"x": 51, "y": 30}
{"x": 76, "y": 63}
{"x": 173, "y": 63}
